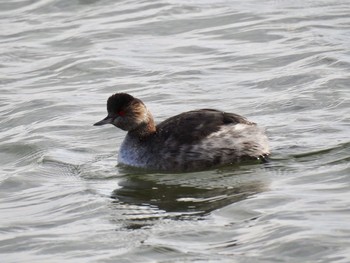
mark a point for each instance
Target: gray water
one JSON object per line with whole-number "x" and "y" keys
{"x": 282, "y": 64}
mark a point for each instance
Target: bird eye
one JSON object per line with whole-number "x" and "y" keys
{"x": 121, "y": 113}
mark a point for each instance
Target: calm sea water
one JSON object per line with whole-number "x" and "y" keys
{"x": 283, "y": 64}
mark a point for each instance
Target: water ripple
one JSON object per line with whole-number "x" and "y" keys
{"x": 283, "y": 64}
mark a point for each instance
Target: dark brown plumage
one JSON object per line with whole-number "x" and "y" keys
{"x": 192, "y": 140}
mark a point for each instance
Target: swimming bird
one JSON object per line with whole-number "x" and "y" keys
{"x": 191, "y": 141}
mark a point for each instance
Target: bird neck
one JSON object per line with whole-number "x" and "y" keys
{"x": 145, "y": 129}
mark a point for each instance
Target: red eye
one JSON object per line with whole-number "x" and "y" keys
{"x": 121, "y": 113}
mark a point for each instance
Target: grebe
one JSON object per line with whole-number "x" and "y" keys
{"x": 191, "y": 141}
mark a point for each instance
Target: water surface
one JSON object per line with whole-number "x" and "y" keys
{"x": 284, "y": 65}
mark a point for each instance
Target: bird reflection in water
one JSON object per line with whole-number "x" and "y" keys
{"x": 150, "y": 196}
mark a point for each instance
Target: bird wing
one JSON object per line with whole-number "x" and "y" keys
{"x": 192, "y": 126}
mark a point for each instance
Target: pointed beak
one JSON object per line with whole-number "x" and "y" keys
{"x": 107, "y": 120}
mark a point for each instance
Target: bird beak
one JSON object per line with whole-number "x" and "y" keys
{"x": 107, "y": 120}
